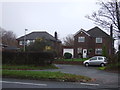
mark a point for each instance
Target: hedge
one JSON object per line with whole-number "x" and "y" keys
{"x": 27, "y": 58}
{"x": 67, "y": 55}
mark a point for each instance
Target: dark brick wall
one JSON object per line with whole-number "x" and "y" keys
{"x": 90, "y": 43}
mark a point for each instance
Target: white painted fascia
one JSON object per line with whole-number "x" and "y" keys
{"x": 81, "y": 30}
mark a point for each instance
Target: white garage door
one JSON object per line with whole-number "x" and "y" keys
{"x": 68, "y": 50}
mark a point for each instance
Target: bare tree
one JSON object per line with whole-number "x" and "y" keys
{"x": 8, "y": 37}
{"x": 108, "y": 14}
{"x": 68, "y": 40}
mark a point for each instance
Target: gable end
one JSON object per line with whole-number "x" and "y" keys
{"x": 83, "y": 32}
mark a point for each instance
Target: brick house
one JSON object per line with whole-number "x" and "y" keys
{"x": 91, "y": 43}
{"x": 31, "y": 37}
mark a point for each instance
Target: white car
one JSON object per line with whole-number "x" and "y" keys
{"x": 96, "y": 60}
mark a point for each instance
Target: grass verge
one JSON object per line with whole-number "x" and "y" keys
{"x": 102, "y": 68}
{"x": 28, "y": 67}
{"x": 44, "y": 75}
{"x": 111, "y": 67}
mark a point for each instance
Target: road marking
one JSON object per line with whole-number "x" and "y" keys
{"x": 24, "y": 83}
{"x": 90, "y": 84}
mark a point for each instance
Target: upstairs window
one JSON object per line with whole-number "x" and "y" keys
{"x": 81, "y": 39}
{"x": 98, "y": 40}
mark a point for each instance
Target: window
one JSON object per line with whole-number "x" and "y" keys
{"x": 48, "y": 48}
{"x": 79, "y": 50}
{"x": 21, "y": 43}
{"x": 98, "y": 51}
{"x": 98, "y": 40}
{"x": 29, "y": 42}
{"x": 81, "y": 39}
{"x": 100, "y": 58}
{"x": 93, "y": 58}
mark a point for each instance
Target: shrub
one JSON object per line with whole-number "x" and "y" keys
{"x": 114, "y": 59}
{"x": 40, "y": 44}
{"x": 104, "y": 51}
{"x": 68, "y": 55}
{"x": 118, "y": 56}
{"x": 27, "y": 58}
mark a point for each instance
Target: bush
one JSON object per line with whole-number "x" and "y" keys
{"x": 27, "y": 58}
{"x": 114, "y": 58}
{"x": 68, "y": 55}
{"x": 118, "y": 56}
{"x": 104, "y": 51}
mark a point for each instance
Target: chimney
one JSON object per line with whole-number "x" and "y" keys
{"x": 56, "y": 37}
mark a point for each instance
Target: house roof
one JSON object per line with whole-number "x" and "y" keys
{"x": 82, "y": 30}
{"x": 97, "y": 32}
{"x": 35, "y": 35}
{"x": 94, "y": 32}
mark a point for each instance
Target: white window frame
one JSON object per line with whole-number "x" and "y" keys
{"x": 83, "y": 39}
{"x": 79, "y": 50}
{"x": 21, "y": 43}
{"x": 98, "y": 51}
{"x": 98, "y": 40}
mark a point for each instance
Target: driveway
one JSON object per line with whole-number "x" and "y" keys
{"x": 101, "y": 77}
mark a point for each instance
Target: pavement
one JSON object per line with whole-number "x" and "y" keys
{"x": 102, "y": 79}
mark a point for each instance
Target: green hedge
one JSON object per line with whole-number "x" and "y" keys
{"x": 27, "y": 58}
{"x": 67, "y": 55}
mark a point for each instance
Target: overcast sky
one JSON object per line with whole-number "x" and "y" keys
{"x": 65, "y": 17}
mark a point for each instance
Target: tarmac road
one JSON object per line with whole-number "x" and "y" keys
{"x": 103, "y": 79}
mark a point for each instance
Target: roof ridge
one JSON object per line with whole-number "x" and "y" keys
{"x": 89, "y": 31}
{"x": 34, "y": 34}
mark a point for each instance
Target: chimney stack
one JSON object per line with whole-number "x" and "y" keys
{"x": 56, "y": 37}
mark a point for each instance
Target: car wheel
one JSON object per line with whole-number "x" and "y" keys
{"x": 102, "y": 64}
{"x": 86, "y": 64}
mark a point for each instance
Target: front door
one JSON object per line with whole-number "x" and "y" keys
{"x": 84, "y": 53}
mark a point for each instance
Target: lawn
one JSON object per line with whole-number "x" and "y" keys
{"x": 80, "y": 59}
{"x": 26, "y": 72}
{"x": 44, "y": 75}
{"x": 111, "y": 67}
{"x": 28, "y": 67}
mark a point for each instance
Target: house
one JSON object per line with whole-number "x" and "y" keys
{"x": 31, "y": 37}
{"x": 4, "y": 47}
{"x": 92, "y": 43}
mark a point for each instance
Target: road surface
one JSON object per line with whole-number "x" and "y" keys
{"x": 103, "y": 79}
